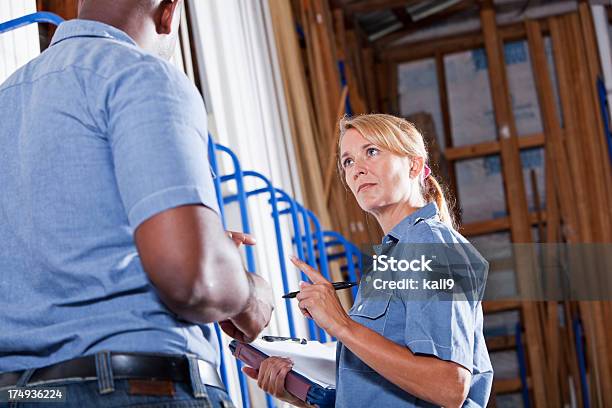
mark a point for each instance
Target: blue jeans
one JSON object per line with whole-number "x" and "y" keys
{"x": 85, "y": 394}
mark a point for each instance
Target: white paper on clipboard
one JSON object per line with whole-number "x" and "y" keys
{"x": 314, "y": 360}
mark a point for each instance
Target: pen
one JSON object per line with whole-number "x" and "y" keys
{"x": 337, "y": 286}
{"x": 279, "y": 338}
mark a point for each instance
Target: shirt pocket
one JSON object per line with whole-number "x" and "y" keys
{"x": 371, "y": 312}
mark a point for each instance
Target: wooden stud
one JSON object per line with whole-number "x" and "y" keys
{"x": 495, "y": 225}
{"x": 448, "y": 140}
{"x": 493, "y": 147}
{"x": 515, "y": 194}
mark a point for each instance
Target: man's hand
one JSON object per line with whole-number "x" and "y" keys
{"x": 241, "y": 238}
{"x": 247, "y": 325}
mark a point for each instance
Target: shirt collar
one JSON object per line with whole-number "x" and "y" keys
{"x": 430, "y": 210}
{"x": 89, "y": 28}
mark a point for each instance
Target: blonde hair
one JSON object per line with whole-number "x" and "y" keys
{"x": 400, "y": 137}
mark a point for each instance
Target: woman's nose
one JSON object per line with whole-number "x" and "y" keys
{"x": 359, "y": 170}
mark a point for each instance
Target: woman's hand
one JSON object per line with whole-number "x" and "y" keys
{"x": 319, "y": 301}
{"x": 271, "y": 378}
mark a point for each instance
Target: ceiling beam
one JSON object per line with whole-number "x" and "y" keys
{"x": 426, "y": 22}
{"x": 369, "y": 6}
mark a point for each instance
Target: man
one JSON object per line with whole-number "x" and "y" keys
{"x": 111, "y": 245}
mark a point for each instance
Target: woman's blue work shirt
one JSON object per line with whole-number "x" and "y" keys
{"x": 449, "y": 330}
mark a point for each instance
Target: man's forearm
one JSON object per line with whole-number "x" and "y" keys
{"x": 195, "y": 267}
{"x": 224, "y": 289}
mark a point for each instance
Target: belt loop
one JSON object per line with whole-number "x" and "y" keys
{"x": 23, "y": 381}
{"x": 104, "y": 371}
{"x": 199, "y": 388}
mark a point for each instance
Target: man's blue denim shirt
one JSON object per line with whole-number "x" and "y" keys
{"x": 96, "y": 136}
{"x": 449, "y": 330}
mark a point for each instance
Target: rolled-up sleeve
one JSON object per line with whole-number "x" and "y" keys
{"x": 444, "y": 329}
{"x": 156, "y": 127}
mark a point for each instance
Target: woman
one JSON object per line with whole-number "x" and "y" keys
{"x": 394, "y": 351}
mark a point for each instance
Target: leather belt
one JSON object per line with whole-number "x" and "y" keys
{"x": 124, "y": 366}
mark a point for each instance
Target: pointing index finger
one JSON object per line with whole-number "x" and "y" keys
{"x": 311, "y": 272}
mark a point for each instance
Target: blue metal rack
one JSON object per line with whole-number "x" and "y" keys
{"x": 309, "y": 239}
{"x": 581, "y": 354}
{"x": 41, "y": 17}
{"x": 604, "y": 105}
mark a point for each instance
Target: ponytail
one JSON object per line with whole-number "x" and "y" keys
{"x": 433, "y": 193}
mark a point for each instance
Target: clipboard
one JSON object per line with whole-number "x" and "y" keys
{"x": 296, "y": 384}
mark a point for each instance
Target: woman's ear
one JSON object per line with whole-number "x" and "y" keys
{"x": 416, "y": 167}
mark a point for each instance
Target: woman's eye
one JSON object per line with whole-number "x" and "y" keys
{"x": 347, "y": 162}
{"x": 372, "y": 151}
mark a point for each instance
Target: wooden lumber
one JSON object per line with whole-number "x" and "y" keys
{"x": 382, "y": 76}
{"x": 594, "y": 71}
{"x": 573, "y": 148}
{"x": 424, "y": 23}
{"x": 555, "y": 153}
{"x": 496, "y": 306}
{"x": 322, "y": 73}
{"x": 492, "y": 147}
{"x": 515, "y": 196}
{"x": 356, "y": 67}
{"x": 448, "y": 140}
{"x": 508, "y": 386}
{"x": 299, "y": 104}
{"x": 369, "y": 72}
{"x": 501, "y": 343}
{"x": 424, "y": 122}
{"x": 587, "y": 132}
{"x": 339, "y": 33}
{"x": 495, "y": 225}
{"x": 331, "y": 161}
{"x": 322, "y": 63}
{"x": 548, "y": 310}
{"x": 370, "y": 6}
{"x": 581, "y": 139}
{"x": 67, "y": 9}
{"x": 591, "y": 313}
{"x": 393, "y": 89}
{"x": 449, "y": 44}
{"x": 535, "y": 193}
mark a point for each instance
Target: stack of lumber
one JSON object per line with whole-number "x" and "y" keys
{"x": 313, "y": 42}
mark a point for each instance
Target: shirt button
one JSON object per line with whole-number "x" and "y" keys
{"x": 359, "y": 308}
